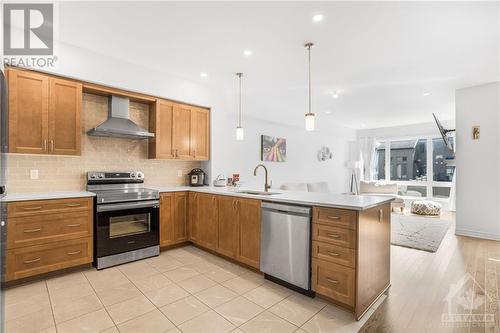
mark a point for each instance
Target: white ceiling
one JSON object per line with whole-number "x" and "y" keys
{"x": 383, "y": 56}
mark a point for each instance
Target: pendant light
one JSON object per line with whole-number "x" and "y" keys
{"x": 239, "y": 130}
{"x": 309, "y": 115}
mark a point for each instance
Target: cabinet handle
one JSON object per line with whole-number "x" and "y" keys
{"x": 331, "y": 217}
{"x": 73, "y": 253}
{"x": 51, "y": 145}
{"x": 32, "y": 208}
{"x": 176, "y": 153}
{"x": 336, "y": 236}
{"x": 73, "y": 225}
{"x": 333, "y": 254}
{"x": 32, "y": 260}
{"x": 380, "y": 215}
{"x": 45, "y": 145}
{"x": 194, "y": 153}
{"x": 332, "y": 281}
{"x": 234, "y": 204}
{"x": 73, "y": 205}
{"x": 32, "y": 230}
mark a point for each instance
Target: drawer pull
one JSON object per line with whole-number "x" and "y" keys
{"x": 333, "y": 254}
{"x": 336, "y": 236}
{"x": 73, "y": 253}
{"x": 32, "y": 208}
{"x": 32, "y": 260}
{"x": 73, "y": 225}
{"x": 332, "y": 281}
{"x": 29, "y": 231}
{"x": 331, "y": 217}
{"x": 73, "y": 205}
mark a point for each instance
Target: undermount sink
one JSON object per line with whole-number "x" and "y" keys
{"x": 257, "y": 192}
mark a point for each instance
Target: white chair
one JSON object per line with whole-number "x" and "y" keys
{"x": 383, "y": 189}
{"x": 301, "y": 187}
{"x": 318, "y": 187}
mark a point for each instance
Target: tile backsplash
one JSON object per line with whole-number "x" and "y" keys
{"x": 68, "y": 173}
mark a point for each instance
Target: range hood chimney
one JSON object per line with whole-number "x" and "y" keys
{"x": 118, "y": 124}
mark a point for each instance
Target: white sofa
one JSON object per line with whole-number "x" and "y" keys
{"x": 383, "y": 189}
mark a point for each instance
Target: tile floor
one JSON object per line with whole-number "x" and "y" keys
{"x": 182, "y": 290}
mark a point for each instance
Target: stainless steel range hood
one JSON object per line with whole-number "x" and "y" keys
{"x": 118, "y": 124}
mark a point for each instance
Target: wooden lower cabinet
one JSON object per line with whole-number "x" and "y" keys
{"x": 173, "y": 218}
{"x": 351, "y": 255}
{"x": 227, "y": 226}
{"x": 248, "y": 232}
{"x": 48, "y": 235}
{"x": 206, "y": 220}
{"x": 193, "y": 217}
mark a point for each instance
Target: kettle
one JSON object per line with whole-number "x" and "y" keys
{"x": 197, "y": 177}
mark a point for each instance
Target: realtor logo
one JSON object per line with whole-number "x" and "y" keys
{"x": 28, "y": 29}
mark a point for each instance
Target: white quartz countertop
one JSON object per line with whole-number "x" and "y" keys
{"x": 333, "y": 200}
{"x": 11, "y": 197}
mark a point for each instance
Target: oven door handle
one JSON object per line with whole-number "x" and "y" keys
{"x": 128, "y": 205}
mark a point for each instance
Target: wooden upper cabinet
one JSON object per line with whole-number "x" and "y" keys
{"x": 160, "y": 123}
{"x": 44, "y": 114}
{"x": 65, "y": 104}
{"x": 248, "y": 231}
{"x": 28, "y": 112}
{"x": 181, "y": 131}
{"x": 227, "y": 239}
{"x": 200, "y": 134}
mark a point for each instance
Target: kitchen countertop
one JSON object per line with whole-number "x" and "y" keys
{"x": 333, "y": 200}
{"x": 11, "y": 197}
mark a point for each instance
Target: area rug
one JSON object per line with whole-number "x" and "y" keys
{"x": 418, "y": 232}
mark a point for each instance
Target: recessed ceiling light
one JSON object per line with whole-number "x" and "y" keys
{"x": 202, "y": 74}
{"x": 336, "y": 94}
{"x": 328, "y": 112}
{"x": 247, "y": 53}
{"x": 317, "y": 18}
{"x": 426, "y": 93}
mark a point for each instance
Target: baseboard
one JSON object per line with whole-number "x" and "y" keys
{"x": 476, "y": 234}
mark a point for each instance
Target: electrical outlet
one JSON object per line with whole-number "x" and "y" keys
{"x": 179, "y": 173}
{"x": 34, "y": 174}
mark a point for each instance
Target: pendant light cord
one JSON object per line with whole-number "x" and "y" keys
{"x": 239, "y": 114}
{"x": 308, "y": 46}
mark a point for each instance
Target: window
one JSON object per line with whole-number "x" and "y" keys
{"x": 409, "y": 160}
{"x": 380, "y": 165}
{"x": 422, "y": 167}
{"x": 441, "y": 155}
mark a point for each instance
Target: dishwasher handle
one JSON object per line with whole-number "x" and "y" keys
{"x": 286, "y": 209}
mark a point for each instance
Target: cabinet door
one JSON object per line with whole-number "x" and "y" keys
{"x": 248, "y": 231}
{"x": 28, "y": 112}
{"x": 193, "y": 217}
{"x": 207, "y": 220}
{"x": 166, "y": 219}
{"x": 227, "y": 240}
{"x": 65, "y": 103}
{"x": 181, "y": 131}
{"x": 200, "y": 134}
{"x": 180, "y": 217}
{"x": 160, "y": 122}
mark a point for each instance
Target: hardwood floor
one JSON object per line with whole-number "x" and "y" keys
{"x": 464, "y": 271}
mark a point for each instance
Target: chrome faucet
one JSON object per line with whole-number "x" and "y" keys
{"x": 266, "y": 185}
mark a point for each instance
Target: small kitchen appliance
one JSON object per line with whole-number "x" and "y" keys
{"x": 197, "y": 177}
{"x": 126, "y": 223}
{"x": 220, "y": 181}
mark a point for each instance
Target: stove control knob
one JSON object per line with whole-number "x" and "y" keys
{"x": 140, "y": 175}
{"x": 132, "y": 175}
{"x": 101, "y": 176}
{"x": 93, "y": 176}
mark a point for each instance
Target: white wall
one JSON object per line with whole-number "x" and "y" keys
{"x": 411, "y": 130}
{"x": 478, "y": 190}
{"x": 228, "y": 156}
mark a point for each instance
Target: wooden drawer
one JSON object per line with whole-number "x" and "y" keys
{"x": 333, "y": 235}
{"x": 35, "y": 230}
{"x": 333, "y": 253}
{"x": 334, "y": 281}
{"x": 335, "y": 217}
{"x": 38, "y": 207}
{"x": 38, "y": 259}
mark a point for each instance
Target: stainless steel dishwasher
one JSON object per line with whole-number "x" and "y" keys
{"x": 285, "y": 244}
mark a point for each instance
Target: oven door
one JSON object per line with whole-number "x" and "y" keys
{"x": 123, "y": 227}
